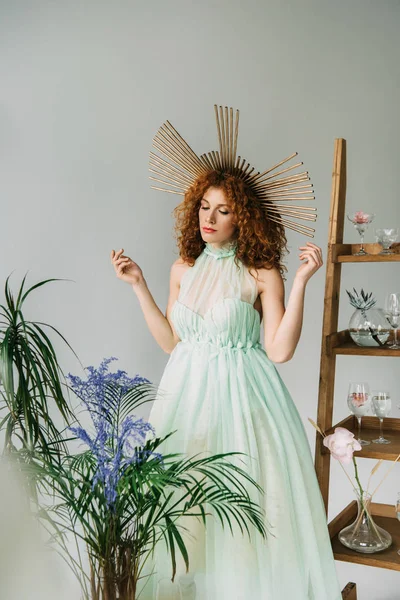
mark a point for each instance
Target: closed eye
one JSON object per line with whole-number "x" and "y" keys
{"x": 222, "y": 212}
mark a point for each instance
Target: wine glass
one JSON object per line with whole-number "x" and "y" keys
{"x": 398, "y": 511}
{"x": 385, "y": 237}
{"x": 361, "y": 220}
{"x": 392, "y": 314}
{"x": 381, "y": 407}
{"x": 359, "y": 401}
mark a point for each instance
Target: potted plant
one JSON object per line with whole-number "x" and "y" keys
{"x": 121, "y": 496}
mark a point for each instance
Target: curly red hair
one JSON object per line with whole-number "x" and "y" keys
{"x": 260, "y": 241}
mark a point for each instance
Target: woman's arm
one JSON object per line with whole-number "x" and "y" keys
{"x": 160, "y": 326}
{"x": 282, "y": 327}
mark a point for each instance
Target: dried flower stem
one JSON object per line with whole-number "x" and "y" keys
{"x": 387, "y": 473}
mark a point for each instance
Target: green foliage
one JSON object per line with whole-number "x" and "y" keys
{"x": 154, "y": 493}
{"x": 363, "y": 301}
{"x": 30, "y": 381}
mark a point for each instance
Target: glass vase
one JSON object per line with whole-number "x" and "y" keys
{"x": 369, "y": 327}
{"x": 364, "y": 535}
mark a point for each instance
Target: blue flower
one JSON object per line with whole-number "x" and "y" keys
{"x": 114, "y": 445}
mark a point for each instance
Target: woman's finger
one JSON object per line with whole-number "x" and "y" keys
{"x": 121, "y": 260}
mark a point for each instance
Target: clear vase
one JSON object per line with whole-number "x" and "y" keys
{"x": 369, "y": 327}
{"x": 364, "y": 535}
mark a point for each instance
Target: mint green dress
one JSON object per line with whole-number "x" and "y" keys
{"x": 222, "y": 393}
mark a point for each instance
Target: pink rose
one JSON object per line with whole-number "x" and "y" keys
{"x": 361, "y": 217}
{"x": 342, "y": 444}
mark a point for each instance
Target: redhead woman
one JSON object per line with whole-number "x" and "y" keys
{"x": 222, "y": 392}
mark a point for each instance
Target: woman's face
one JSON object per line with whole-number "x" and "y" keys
{"x": 216, "y": 219}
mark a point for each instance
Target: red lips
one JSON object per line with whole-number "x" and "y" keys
{"x": 208, "y": 229}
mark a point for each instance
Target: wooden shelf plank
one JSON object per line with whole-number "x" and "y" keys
{"x": 340, "y": 343}
{"x": 384, "y": 516}
{"x": 345, "y": 253}
{"x": 370, "y": 431}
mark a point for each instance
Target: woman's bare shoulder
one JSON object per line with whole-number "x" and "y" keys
{"x": 267, "y": 277}
{"x": 179, "y": 267}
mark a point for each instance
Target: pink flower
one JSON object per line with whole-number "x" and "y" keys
{"x": 342, "y": 444}
{"x": 361, "y": 217}
{"x": 359, "y": 398}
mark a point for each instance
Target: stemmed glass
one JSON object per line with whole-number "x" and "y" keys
{"x": 361, "y": 220}
{"x": 398, "y": 511}
{"x": 381, "y": 407}
{"x": 359, "y": 401}
{"x": 392, "y": 314}
{"x": 385, "y": 237}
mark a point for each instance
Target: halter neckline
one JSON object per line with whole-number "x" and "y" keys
{"x": 228, "y": 249}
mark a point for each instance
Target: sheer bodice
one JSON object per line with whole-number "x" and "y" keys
{"x": 216, "y": 302}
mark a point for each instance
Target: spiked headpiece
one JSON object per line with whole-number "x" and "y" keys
{"x": 183, "y": 167}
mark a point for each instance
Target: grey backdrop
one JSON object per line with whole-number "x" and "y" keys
{"x": 84, "y": 87}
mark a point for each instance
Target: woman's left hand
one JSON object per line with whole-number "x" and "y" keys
{"x": 313, "y": 255}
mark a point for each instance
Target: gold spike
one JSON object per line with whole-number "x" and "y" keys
{"x": 173, "y": 142}
{"x": 178, "y": 175}
{"x": 163, "y": 173}
{"x": 218, "y": 128}
{"x": 178, "y": 187}
{"x": 182, "y": 163}
{"x": 231, "y": 157}
{"x": 183, "y": 142}
{"x": 153, "y": 187}
{"x": 212, "y": 160}
{"x": 301, "y": 209}
{"x": 165, "y": 141}
{"x": 274, "y": 216}
{"x": 236, "y": 135}
{"x": 244, "y": 170}
{"x": 294, "y": 214}
{"x": 227, "y": 136}
{"x": 285, "y": 180}
{"x": 206, "y": 161}
{"x": 241, "y": 167}
{"x": 166, "y": 166}
{"x": 236, "y": 168}
{"x": 217, "y": 159}
{"x": 154, "y": 159}
{"x": 291, "y": 207}
{"x": 283, "y": 198}
{"x": 292, "y": 193}
{"x": 291, "y": 225}
{"x": 293, "y": 190}
{"x": 284, "y": 221}
{"x": 255, "y": 177}
{"x": 262, "y": 181}
{"x": 223, "y": 155}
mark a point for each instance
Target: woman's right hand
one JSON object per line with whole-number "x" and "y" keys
{"x": 125, "y": 268}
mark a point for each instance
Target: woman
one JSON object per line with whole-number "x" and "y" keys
{"x": 222, "y": 393}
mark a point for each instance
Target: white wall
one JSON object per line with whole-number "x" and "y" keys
{"x": 84, "y": 87}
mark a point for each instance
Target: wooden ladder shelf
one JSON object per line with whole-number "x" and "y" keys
{"x": 334, "y": 343}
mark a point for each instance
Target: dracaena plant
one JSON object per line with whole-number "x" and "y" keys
{"x": 121, "y": 496}
{"x": 31, "y": 381}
